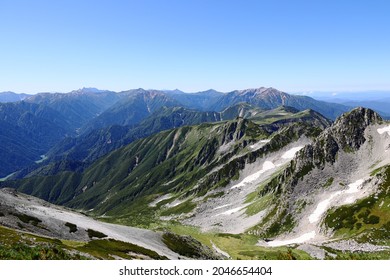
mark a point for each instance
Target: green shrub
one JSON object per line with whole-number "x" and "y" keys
{"x": 72, "y": 227}
{"x": 105, "y": 248}
{"x": 372, "y": 220}
{"x": 93, "y": 233}
{"x": 27, "y": 219}
{"x": 188, "y": 246}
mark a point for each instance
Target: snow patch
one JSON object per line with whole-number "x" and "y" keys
{"x": 384, "y": 129}
{"x": 268, "y": 165}
{"x": 225, "y": 147}
{"x": 291, "y": 153}
{"x": 323, "y": 206}
{"x": 349, "y": 200}
{"x": 258, "y": 145}
{"x": 354, "y": 187}
{"x": 159, "y": 199}
{"x": 43, "y": 158}
{"x": 222, "y": 206}
{"x": 170, "y": 182}
{"x": 301, "y": 239}
{"x": 231, "y": 211}
{"x": 349, "y": 196}
{"x": 175, "y": 203}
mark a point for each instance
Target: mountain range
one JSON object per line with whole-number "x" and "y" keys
{"x": 248, "y": 174}
{"x": 88, "y": 110}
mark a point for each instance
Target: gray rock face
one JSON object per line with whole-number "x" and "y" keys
{"x": 348, "y": 130}
{"x": 353, "y": 246}
{"x": 347, "y": 134}
{"x": 343, "y": 139}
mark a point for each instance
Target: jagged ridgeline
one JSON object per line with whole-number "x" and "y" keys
{"x": 80, "y": 126}
{"x": 345, "y": 171}
{"x": 188, "y": 162}
{"x": 274, "y": 178}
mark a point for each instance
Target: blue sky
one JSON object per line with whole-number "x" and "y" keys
{"x": 194, "y": 45}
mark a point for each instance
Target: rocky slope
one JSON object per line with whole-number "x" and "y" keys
{"x": 345, "y": 166}
{"x": 29, "y": 214}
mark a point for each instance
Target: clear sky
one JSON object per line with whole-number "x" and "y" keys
{"x": 194, "y": 45}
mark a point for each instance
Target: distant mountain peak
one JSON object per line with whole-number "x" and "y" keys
{"x": 9, "y": 96}
{"x": 86, "y": 90}
{"x": 254, "y": 91}
{"x": 263, "y": 92}
{"x": 175, "y": 91}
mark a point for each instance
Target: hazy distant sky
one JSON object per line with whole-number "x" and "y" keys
{"x": 194, "y": 45}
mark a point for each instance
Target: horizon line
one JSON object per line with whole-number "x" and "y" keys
{"x": 294, "y": 92}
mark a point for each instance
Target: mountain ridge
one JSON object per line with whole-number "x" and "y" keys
{"x": 89, "y": 147}
{"x": 281, "y": 182}
{"x": 335, "y": 155}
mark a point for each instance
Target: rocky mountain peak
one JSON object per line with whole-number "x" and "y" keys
{"x": 346, "y": 135}
{"x": 348, "y": 129}
{"x": 359, "y": 116}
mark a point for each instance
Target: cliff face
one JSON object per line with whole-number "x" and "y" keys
{"x": 346, "y": 134}
{"x": 331, "y": 162}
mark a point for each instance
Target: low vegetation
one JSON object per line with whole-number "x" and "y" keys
{"x": 188, "y": 246}
{"x": 95, "y": 234}
{"x": 16, "y": 245}
{"x": 182, "y": 208}
{"x": 239, "y": 246}
{"x": 368, "y": 219}
{"x": 72, "y": 227}
{"x": 22, "y": 246}
{"x": 114, "y": 249}
{"x": 357, "y": 255}
{"x": 27, "y": 219}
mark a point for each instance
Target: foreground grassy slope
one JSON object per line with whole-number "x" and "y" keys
{"x": 24, "y": 246}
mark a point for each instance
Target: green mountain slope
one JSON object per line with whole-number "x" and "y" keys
{"x": 27, "y": 131}
{"x": 79, "y": 106}
{"x": 132, "y": 108}
{"x": 197, "y": 159}
{"x": 74, "y": 154}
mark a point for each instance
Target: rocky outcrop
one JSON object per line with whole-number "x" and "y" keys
{"x": 345, "y": 136}
{"x": 188, "y": 246}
